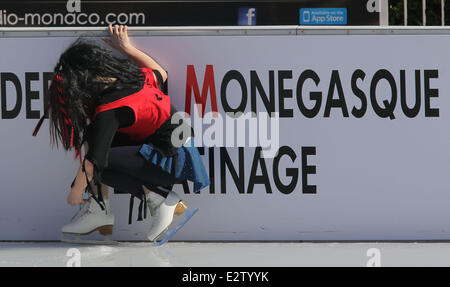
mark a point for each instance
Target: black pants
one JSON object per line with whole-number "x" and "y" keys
{"x": 127, "y": 171}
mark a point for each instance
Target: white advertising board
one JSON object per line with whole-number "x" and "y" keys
{"x": 364, "y": 132}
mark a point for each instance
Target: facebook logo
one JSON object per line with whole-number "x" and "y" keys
{"x": 247, "y": 16}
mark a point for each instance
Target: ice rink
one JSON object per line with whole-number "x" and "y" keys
{"x": 239, "y": 254}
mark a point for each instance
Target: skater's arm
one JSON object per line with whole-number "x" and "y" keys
{"x": 101, "y": 135}
{"x": 99, "y": 138}
{"x": 80, "y": 179}
{"x": 145, "y": 61}
{"x": 121, "y": 42}
{"x": 76, "y": 194}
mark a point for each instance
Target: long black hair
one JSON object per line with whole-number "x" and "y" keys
{"x": 81, "y": 76}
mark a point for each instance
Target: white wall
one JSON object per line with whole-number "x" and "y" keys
{"x": 376, "y": 178}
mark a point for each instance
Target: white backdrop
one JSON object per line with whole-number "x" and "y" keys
{"x": 377, "y": 178}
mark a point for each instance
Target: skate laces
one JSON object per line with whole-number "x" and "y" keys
{"x": 142, "y": 208}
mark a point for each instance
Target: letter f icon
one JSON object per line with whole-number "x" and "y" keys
{"x": 250, "y": 14}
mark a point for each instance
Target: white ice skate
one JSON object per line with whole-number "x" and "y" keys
{"x": 162, "y": 211}
{"x": 94, "y": 218}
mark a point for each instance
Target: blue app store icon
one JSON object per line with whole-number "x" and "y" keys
{"x": 323, "y": 16}
{"x": 247, "y": 16}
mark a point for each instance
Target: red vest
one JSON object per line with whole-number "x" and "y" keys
{"x": 150, "y": 105}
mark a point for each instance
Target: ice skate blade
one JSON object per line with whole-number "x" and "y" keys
{"x": 78, "y": 240}
{"x": 105, "y": 230}
{"x": 168, "y": 234}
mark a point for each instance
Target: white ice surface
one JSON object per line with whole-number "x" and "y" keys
{"x": 225, "y": 254}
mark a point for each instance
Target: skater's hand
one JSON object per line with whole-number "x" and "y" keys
{"x": 75, "y": 198}
{"x": 119, "y": 38}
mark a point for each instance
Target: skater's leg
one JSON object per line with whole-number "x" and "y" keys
{"x": 121, "y": 181}
{"x": 127, "y": 160}
{"x": 130, "y": 172}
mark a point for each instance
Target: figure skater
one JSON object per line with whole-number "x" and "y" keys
{"x": 119, "y": 110}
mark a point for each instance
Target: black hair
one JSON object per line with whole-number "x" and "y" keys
{"x": 81, "y": 76}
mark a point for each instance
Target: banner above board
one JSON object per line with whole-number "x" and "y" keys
{"x": 83, "y": 13}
